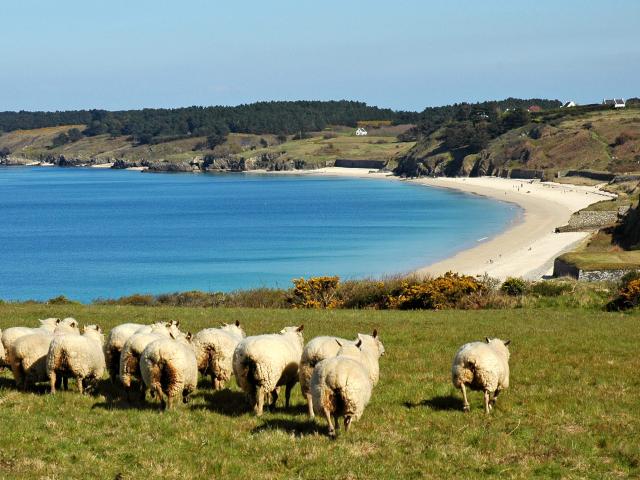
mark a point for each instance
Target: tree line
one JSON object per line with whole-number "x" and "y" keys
{"x": 156, "y": 125}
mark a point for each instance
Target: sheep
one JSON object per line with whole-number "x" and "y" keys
{"x": 264, "y": 362}
{"x": 342, "y": 385}
{"x": 2, "y": 357}
{"x": 28, "y": 355}
{"x": 214, "y": 349}
{"x": 78, "y": 356}
{"x": 135, "y": 345}
{"x": 169, "y": 368}
{"x": 321, "y": 348}
{"x": 113, "y": 346}
{"x": 482, "y": 366}
{"x": 116, "y": 339}
{"x": 10, "y": 335}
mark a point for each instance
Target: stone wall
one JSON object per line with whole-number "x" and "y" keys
{"x": 600, "y": 176}
{"x": 564, "y": 269}
{"x": 593, "y": 219}
{"x": 526, "y": 174}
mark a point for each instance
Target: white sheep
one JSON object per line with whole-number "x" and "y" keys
{"x": 2, "y": 356}
{"x": 11, "y": 334}
{"x": 169, "y": 368}
{"x": 214, "y": 349}
{"x": 264, "y": 362}
{"x": 116, "y": 339}
{"x": 321, "y": 348}
{"x": 78, "y": 356}
{"x": 28, "y": 355}
{"x": 341, "y": 386}
{"x": 113, "y": 346}
{"x": 482, "y": 366}
{"x": 135, "y": 345}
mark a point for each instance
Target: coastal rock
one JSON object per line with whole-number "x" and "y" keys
{"x": 170, "y": 167}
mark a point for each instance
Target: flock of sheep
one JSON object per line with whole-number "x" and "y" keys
{"x": 336, "y": 375}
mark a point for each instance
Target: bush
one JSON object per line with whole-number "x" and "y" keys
{"x": 549, "y": 288}
{"x": 514, "y": 287}
{"x": 62, "y": 300}
{"x": 629, "y": 297}
{"x": 137, "y": 300}
{"x": 317, "y": 292}
{"x": 628, "y": 278}
{"x": 434, "y": 294}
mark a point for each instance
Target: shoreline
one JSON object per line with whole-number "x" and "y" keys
{"x": 528, "y": 247}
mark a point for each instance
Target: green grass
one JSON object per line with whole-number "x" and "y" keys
{"x": 571, "y": 411}
{"x": 605, "y": 260}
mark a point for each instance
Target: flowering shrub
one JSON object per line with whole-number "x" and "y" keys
{"x": 628, "y": 297}
{"x": 434, "y": 294}
{"x": 514, "y": 287}
{"x": 316, "y": 292}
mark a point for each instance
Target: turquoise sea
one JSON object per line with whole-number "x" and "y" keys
{"x": 95, "y": 233}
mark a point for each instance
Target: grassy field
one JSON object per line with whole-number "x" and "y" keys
{"x": 572, "y": 410}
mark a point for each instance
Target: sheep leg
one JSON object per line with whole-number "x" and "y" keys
{"x": 259, "y": 404}
{"x": 80, "y": 386}
{"x": 465, "y": 405}
{"x": 53, "y": 381}
{"x": 65, "y": 382}
{"x": 347, "y": 423}
{"x": 287, "y": 394}
{"x": 336, "y": 422}
{"x": 495, "y": 398}
{"x": 310, "y": 405}
{"x": 274, "y": 398}
{"x": 327, "y": 415}
{"x": 169, "y": 402}
{"x": 487, "y": 406}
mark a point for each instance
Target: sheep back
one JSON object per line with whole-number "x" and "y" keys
{"x": 318, "y": 349}
{"x": 170, "y": 366}
{"x": 81, "y": 356}
{"x": 214, "y": 349}
{"x": 482, "y": 366}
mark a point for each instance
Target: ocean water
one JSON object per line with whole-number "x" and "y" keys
{"x": 94, "y": 233}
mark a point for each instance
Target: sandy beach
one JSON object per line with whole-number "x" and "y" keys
{"x": 527, "y": 249}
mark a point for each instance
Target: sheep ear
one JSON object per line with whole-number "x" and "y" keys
{"x": 57, "y": 321}
{"x": 300, "y": 328}
{"x": 486, "y": 339}
{"x": 237, "y": 323}
{"x": 338, "y": 342}
{"x": 168, "y": 324}
{"x": 359, "y": 343}
{"x": 189, "y": 336}
{"x": 171, "y": 335}
{"x": 375, "y": 333}
{"x": 177, "y": 323}
{"x": 507, "y": 342}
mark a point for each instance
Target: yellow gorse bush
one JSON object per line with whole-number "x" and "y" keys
{"x": 315, "y": 292}
{"x": 435, "y": 294}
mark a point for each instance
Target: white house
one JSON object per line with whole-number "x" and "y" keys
{"x": 614, "y": 102}
{"x": 361, "y": 131}
{"x": 568, "y": 104}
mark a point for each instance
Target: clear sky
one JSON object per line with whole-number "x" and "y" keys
{"x": 118, "y": 54}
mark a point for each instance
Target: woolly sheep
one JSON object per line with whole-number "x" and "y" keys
{"x": 321, "y": 348}
{"x": 78, "y": 356}
{"x": 264, "y": 362}
{"x": 342, "y": 385}
{"x": 135, "y": 345}
{"x": 28, "y": 355}
{"x": 10, "y": 335}
{"x": 214, "y": 349}
{"x": 114, "y": 344}
{"x": 116, "y": 339}
{"x": 482, "y": 366}
{"x": 169, "y": 368}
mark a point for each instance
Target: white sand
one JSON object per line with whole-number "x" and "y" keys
{"x": 527, "y": 249}
{"x": 102, "y": 165}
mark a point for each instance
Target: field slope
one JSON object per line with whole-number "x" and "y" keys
{"x": 571, "y": 411}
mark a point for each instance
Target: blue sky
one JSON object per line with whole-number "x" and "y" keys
{"x": 404, "y": 54}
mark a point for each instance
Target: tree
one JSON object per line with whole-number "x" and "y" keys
{"x": 74, "y": 135}
{"x": 60, "y": 140}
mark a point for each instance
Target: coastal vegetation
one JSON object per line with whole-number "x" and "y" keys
{"x": 569, "y": 411}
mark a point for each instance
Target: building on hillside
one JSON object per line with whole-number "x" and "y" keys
{"x": 614, "y": 102}
{"x": 569, "y": 104}
{"x": 534, "y": 108}
{"x": 361, "y": 132}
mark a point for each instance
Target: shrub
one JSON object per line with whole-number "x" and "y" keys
{"x": 257, "y": 298}
{"x": 137, "y": 300}
{"x": 434, "y": 294}
{"x": 514, "y": 287}
{"x": 62, "y": 300}
{"x": 549, "y": 288}
{"x": 628, "y": 278}
{"x": 316, "y": 292}
{"x": 628, "y": 297}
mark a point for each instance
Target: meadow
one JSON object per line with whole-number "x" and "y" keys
{"x": 572, "y": 410}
